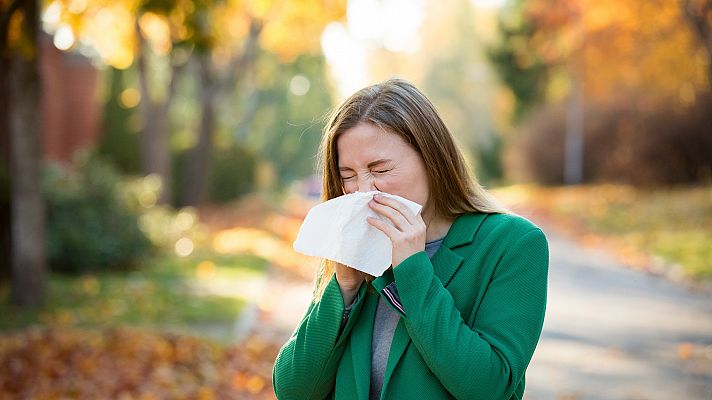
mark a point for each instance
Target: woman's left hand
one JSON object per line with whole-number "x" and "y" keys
{"x": 407, "y": 233}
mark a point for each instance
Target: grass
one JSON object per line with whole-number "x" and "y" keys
{"x": 673, "y": 224}
{"x": 166, "y": 293}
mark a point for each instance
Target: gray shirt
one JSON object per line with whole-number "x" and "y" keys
{"x": 384, "y": 326}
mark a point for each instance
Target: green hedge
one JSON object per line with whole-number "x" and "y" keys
{"x": 232, "y": 174}
{"x": 89, "y": 227}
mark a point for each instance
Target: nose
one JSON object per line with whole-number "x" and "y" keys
{"x": 366, "y": 183}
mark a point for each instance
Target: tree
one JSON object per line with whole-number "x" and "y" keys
{"x": 699, "y": 15}
{"x": 121, "y": 34}
{"x": 283, "y": 116}
{"x": 458, "y": 80}
{"x": 519, "y": 67}
{"x": 218, "y": 37}
{"x": 286, "y": 29}
{"x": 656, "y": 55}
{"x": 19, "y": 71}
{"x": 633, "y": 46}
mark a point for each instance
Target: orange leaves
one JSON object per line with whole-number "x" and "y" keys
{"x": 641, "y": 46}
{"x": 253, "y": 383}
{"x": 131, "y": 364}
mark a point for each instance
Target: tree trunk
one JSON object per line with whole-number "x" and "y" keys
{"x": 27, "y": 210}
{"x": 200, "y": 156}
{"x": 196, "y": 190}
{"x": 5, "y": 236}
{"x": 5, "y": 211}
{"x": 573, "y": 160}
{"x": 155, "y": 136}
{"x": 573, "y": 156}
{"x": 155, "y": 149}
{"x": 249, "y": 111}
{"x": 697, "y": 13}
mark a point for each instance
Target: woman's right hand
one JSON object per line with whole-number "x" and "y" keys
{"x": 349, "y": 280}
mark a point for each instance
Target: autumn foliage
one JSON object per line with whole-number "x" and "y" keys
{"x": 131, "y": 363}
{"x": 643, "y": 70}
{"x": 633, "y": 46}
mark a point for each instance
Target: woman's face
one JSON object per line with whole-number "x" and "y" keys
{"x": 371, "y": 158}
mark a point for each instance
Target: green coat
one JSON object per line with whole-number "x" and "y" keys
{"x": 473, "y": 316}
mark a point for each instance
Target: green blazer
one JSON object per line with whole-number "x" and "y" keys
{"x": 473, "y": 317}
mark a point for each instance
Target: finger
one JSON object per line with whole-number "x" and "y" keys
{"x": 384, "y": 227}
{"x": 394, "y": 216}
{"x": 400, "y": 207}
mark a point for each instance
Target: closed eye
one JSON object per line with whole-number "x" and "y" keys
{"x": 382, "y": 172}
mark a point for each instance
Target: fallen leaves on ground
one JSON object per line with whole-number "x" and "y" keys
{"x": 131, "y": 363}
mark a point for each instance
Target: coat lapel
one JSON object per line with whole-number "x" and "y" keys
{"x": 445, "y": 263}
{"x": 361, "y": 337}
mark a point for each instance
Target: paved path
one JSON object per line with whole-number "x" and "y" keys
{"x": 278, "y": 311}
{"x": 614, "y": 333}
{"x": 610, "y": 332}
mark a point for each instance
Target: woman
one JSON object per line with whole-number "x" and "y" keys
{"x": 460, "y": 311}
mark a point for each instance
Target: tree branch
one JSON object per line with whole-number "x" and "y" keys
{"x": 239, "y": 63}
{"x": 176, "y": 71}
{"x": 696, "y": 16}
{"x": 141, "y": 66}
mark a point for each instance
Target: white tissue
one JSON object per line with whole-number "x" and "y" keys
{"x": 338, "y": 230}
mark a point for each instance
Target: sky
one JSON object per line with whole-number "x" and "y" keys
{"x": 370, "y": 24}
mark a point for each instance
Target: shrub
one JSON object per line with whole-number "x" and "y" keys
{"x": 627, "y": 142}
{"x": 89, "y": 227}
{"x": 232, "y": 174}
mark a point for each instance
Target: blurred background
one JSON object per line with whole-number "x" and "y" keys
{"x": 157, "y": 158}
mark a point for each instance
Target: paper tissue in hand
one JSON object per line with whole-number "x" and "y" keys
{"x": 338, "y": 230}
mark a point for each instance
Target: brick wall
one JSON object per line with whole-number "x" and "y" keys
{"x": 71, "y": 108}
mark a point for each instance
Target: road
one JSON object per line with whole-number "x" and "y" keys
{"x": 614, "y": 333}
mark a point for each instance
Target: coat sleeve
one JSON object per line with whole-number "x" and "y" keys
{"x": 306, "y": 365}
{"x": 488, "y": 360}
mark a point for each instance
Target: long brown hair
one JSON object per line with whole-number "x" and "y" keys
{"x": 399, "y": 107}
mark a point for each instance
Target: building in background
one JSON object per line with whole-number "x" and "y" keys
{"x": 71, "y": 109}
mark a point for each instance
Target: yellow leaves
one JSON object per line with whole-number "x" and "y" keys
{"x": 77, "y": 6}
{"x": 295, "y": 27}
{"x": 157, "y": 32}
{"x": 262, "y": 9}
{"x": 290, "y": 28}
{"x": 105, "y": 26}
{"x": 115, "y": 45}
{"x": 179, "y": 14}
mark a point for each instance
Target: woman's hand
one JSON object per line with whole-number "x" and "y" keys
{"x": 349, "y": 280}
{"x": 407, "y": 233}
